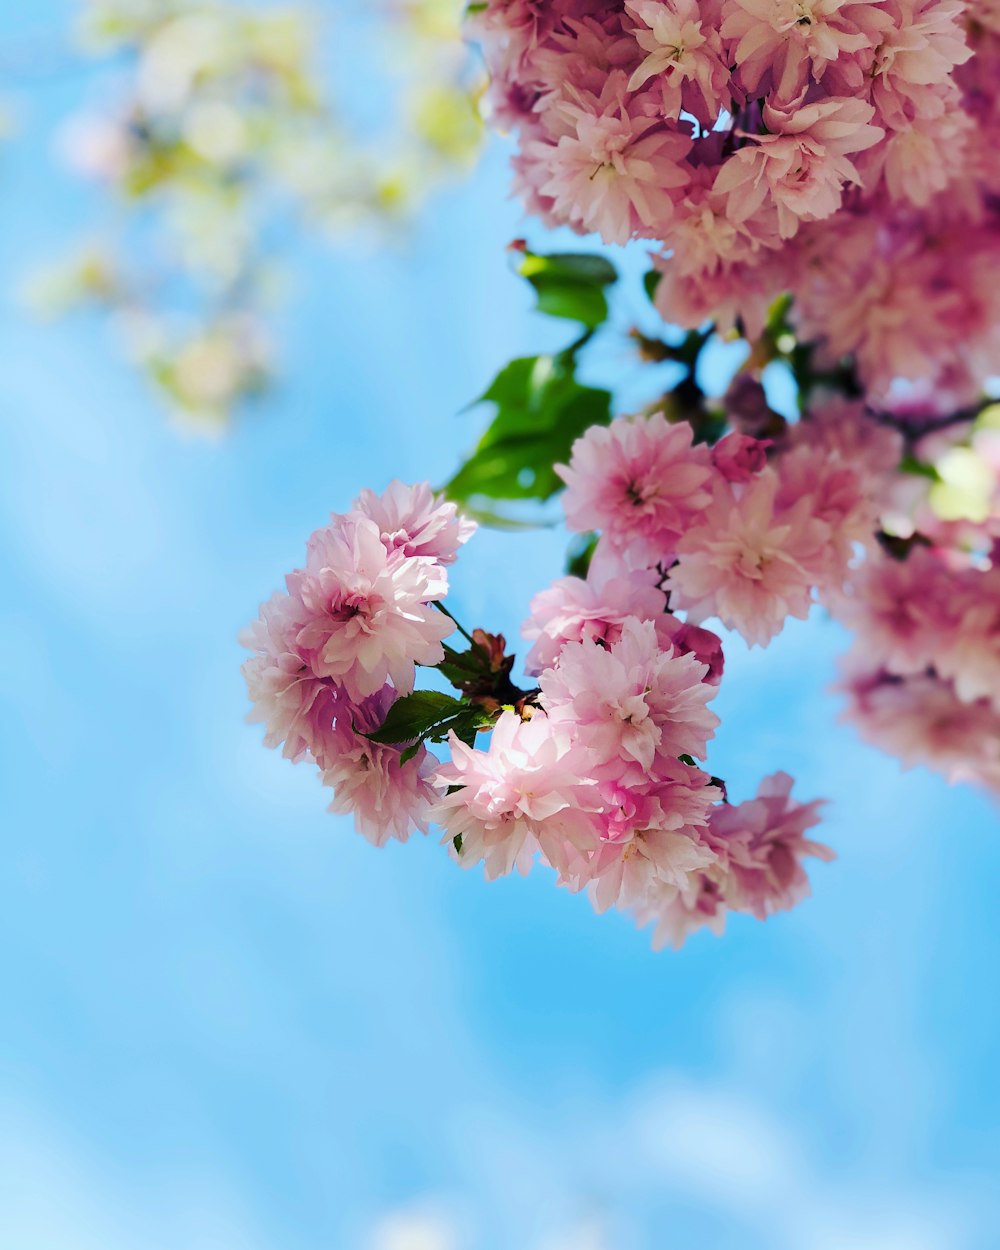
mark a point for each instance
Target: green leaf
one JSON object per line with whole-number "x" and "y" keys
{"x": 541, "y": 411}
{"x": 650, "y": 281}
{"x": 457, "y": 843}
{"x": 415, "y": 715}
{"x": 468, "y": 723}
{"x": 570, "y": 285}
{"x": 459, "y": 667}
{"x": 910, "y": 464}
{"x": 581, "y": 552}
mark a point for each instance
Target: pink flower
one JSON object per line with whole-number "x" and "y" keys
{"x": 631, "y": 702}
{"x": 920, "y": 719}
{"x": 652, "y": 838}
{"x": 574, "y": 609}
{"x": 368, "y": 613}
{"x": 738, "y": 457}
{"x": 970, "y": 654}
{"x": 785, "y": 41}
{"x": 900, "y": 609}
{"x": 639, "y": 480}
{"x": 682, "y": 49}
{"x": 766, "y": 843}
{"x": 529, "y": 790}
{"x": 748, "y": 563}
{"x": 387, "y": 798}
{"x": 835, "y": 490}
{"x": 295, "y": 705}
{"x": 800, "y": 164}
{"x": 413, "y": 522}
{"x": 613, "y": 169}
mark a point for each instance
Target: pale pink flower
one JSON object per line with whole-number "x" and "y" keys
{"x": 295, "y": 706}
{"x": 387, "y": 798}
{"x": 575, "y": 609}
{"x": 370, "y": 617}
{"x": 531, "y": 789}
{"x": 630, "y": 702}
{"x": 926, "y": 42}
{"x": 677, "y": 912}
{"x": 748, "y": 563}
{"x": 652, "y": 837}
{"x": 640, "y": 481}
{"x": 415, "y": 522}
{"x": 922, "y": 159}
{"x": 703, "y": 238}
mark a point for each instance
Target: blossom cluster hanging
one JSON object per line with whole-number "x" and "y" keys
{"x": 820, "y": 179}
{"x": 843, "y": 151}
{"x": 595, "y": 770}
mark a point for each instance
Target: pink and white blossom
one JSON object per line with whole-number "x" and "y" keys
{"x": 369, "y": 613}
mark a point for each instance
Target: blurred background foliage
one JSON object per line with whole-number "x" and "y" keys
{"x": 216, "y": 131}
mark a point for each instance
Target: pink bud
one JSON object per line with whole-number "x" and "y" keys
{"x": 738, "y": 457}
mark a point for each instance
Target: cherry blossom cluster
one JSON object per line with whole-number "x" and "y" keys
{"x": 341, "y": 643}
{"x": 921, "y": 591}
{"x": 594, "y": 772}
{"x": 898, "y": 536}
{"x": 840, "y": 150}
{"x": 736, "y": 534}
{"x": 923, "y": 678}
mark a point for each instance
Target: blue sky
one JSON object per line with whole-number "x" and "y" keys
{"x": 230, "y": 1024}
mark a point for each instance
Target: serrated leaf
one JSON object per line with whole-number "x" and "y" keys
{"x": 414, "y": 716}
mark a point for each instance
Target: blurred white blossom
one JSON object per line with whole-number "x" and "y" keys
{"x": 215, "y": 128}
